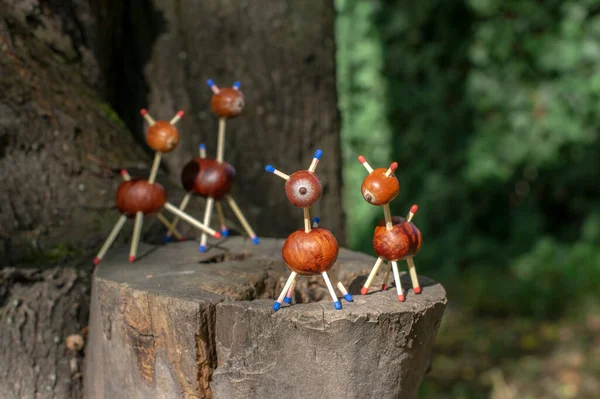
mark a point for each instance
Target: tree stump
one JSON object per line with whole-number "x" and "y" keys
{"x": 183, "y": 324}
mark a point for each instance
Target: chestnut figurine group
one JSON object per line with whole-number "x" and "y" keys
{"x": 139, "y": 197}
{"x": 396, "y": 238}
{"x": 309, "y": 251}
{"x": 213, "y": 178}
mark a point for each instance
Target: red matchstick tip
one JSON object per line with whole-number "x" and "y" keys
{"x": 394, "y": 166}
{"x": 401, "y": 298}
{"x": 131, "y": 259}
{"x": 124, "y": 172}
{"x": 97, "y": 261}
{"x": 417, "y": 290}
{"x": 180, "y": 113}
{"x": 364, "y": 290}
{"x": 182, "y": 239}
{"x": 384, "y": 287}
{"x": 361, "y": 159}
{"x": 143, "y": 111}
{"x": 414, "y": 209}
{"x": 217, "y": 235}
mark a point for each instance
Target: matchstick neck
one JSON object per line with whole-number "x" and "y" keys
{"x": 221, "y": 140}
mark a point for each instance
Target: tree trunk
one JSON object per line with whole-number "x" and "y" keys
{"x": 61, "y": 149}
{"x": 39, "y": 310}
{"x": 181, "y": 324}
{"x": 283, "y": 52}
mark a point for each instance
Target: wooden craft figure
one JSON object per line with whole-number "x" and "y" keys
{"x": 138, "y": 197}
{"x": 213, "y": 178}
{"x": 309, "y": 251}
{"x": 396, "y": 238}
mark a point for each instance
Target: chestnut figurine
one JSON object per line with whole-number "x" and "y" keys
{"x": 214, "y": 178}
{"x": 396, "y": 238}
{"x": 139, "y": 197}
{"x": 311, "y": 251}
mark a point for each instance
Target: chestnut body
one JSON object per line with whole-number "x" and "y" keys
{"x": 208, "y": 178}
{"x": 162, "y": 137}
{"x": 228, "y": 103}
{"x": 303, "y": 189}
{"x": 379, "y": 189}
{"x": 310, "y": 253}
{"x": 402, "y": 242}
{"x": 137, "y": 195}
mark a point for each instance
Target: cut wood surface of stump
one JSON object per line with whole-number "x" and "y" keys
{"x": 183, "y": 324}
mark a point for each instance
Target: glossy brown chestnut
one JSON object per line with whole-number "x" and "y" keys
{"x": 162, "y": 137}
{"x": 310, "y": 253}
{"x": 379, "y": 189}
{"x": 208, "y": 178}
{"x": 403, "y": 241}
{"x": 303, "y": 189}
{"x": 228, "y": 103}
{"x": 137, "y": 195}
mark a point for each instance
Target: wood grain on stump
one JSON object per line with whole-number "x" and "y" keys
{"x": 184, "y": 324}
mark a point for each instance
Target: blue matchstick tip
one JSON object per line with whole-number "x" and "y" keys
{"x": 287, "y": 300}
{"x": 225, "y": 233}
{"x": 318, "y": 154}
{"x": 348, "y": 297}
{"x": 202, "y": 146}
{"x": 269, "y": 169}
{"x": 316, "y": 219}
{"x": 237, "y": 85}
{"x": 255, "y": 240}
{"x": 210, "y": 83}
{"x": 166, "y": 239}
{"x": 276, "y": 306}
{"x": 337, "y": 305}
{"x": 202, "y": 248}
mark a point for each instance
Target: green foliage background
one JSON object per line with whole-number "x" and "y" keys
{"x": 492, "y": 110}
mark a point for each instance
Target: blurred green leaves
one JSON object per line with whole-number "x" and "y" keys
{"x": 492, "y": 110}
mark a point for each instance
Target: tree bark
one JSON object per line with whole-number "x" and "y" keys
{"x": 181, "y": 324}
{"x": 39, "y": 310}
{"x": 61, "y": 149}
{"x": 283, "y": 53}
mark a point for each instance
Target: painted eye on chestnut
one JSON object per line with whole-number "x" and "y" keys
{"x": 303, "y": 189}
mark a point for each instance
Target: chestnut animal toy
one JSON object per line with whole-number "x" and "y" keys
{"x": 311, "y": 251}
{"x": 138, "y": 197}
{"x": 213, "y": 178}
{"x": 396, "y": 238}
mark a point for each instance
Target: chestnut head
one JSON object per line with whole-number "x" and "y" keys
{"x": 162, "y": 136}
{"x": 380, "y": 186}
{"x": 303, "y": 189}
{"x": 226, "y": 102}
{"x": 208, "y": 178}
{"x": 138, "y": 195}
{"x": 401, "y": 242}
{"x": 310, "y": 253}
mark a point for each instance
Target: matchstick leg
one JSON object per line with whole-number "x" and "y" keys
{"x": 219, "y": 208}
{"x": 336, "y": 303}
{"x": 372, "y": 275}
{"x": 137, "y": 232}
{"x": 401, "y": 297}
{"x": 169, "y": 226}
{"x": 286, "y": 287}
{"x": 386, "y": 275}
{"x": 344, "y": 292}
{"x": 175, "y": 211}
{"x": 111, "y": 238}
{"x": 182, "y": 206}
{"x": 236, "y": 209}
{"x": 207, "y": 215}
{"x": 290, "y": 293}
{"x": 413, "y": 275}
